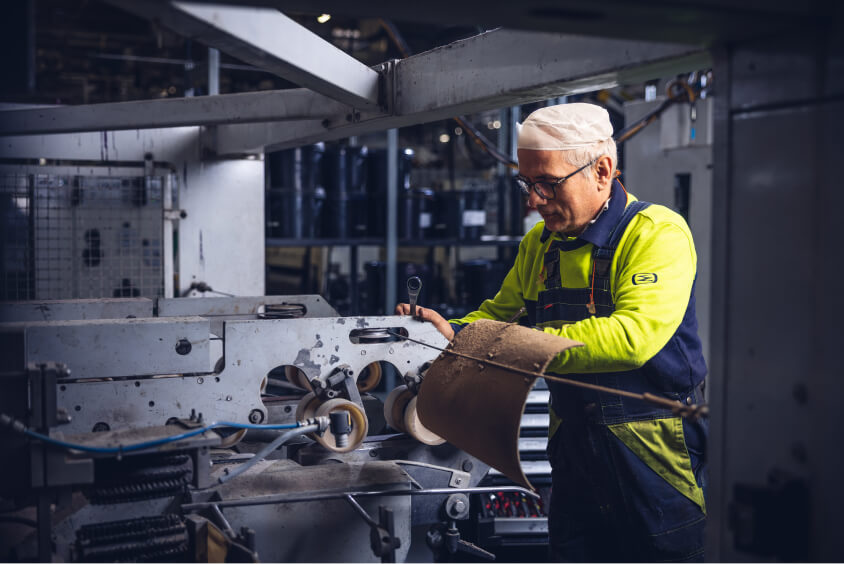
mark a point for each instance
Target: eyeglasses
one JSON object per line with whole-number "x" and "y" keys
{"x": 546, "y": 189}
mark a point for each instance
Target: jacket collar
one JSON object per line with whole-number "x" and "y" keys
{"x": 599, "y": 232}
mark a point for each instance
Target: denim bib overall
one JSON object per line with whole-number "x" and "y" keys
{"x": 628, "y": 477}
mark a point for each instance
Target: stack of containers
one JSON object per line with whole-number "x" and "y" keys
{"x": 344, "y": 174}
{"x": 295, "y": 197}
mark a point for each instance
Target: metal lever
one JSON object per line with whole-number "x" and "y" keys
{"x": 414, "y": 286}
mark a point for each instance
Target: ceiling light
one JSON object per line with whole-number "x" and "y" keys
{"x": 322, "y": 18}
{"x": 444, "y": 138}
{"x": 458, "y": 131}
{"x": 496, "y": 124}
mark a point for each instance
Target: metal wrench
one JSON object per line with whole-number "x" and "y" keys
{"x": 414, "y": 286}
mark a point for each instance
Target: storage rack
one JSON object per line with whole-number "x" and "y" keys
{"x": 354, "y": 244}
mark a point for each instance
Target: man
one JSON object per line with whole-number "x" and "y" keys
{"x": 617, "y": 275}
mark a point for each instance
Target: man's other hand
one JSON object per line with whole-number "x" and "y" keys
{"x": 425, "y": 314}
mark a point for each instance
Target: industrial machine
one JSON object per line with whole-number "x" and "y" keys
{"x": 210, "y": 429}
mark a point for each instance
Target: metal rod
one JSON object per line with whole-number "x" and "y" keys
{"x": 227, "y": 528}
{"x": 360, "y": 511}
{"x": 693, "y": 411}
{"x": 213, "y": 71}
{"x": 391, "y": 248}
{"x": 295, "y": 498}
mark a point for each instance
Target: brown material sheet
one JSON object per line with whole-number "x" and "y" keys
{"x": 478, "y": 407}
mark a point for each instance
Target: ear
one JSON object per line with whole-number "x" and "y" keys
{"x": 603, "y": 171}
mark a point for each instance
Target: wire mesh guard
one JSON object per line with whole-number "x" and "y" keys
{"x": 70, "y": 236}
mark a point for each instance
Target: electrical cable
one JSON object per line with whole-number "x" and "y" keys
{"x": 676, "y": 92}
{"x": 19, "y": 427}
{"x": 267, "y": 450}
{"x": 203, "y": 287}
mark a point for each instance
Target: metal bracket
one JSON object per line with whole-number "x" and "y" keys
{"x": 387, "y": 84}
{"x": 459, "y": 479}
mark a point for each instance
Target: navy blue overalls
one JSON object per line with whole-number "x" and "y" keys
{"x": 613, "y": 499}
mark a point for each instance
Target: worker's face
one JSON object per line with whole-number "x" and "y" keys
{"x": 577, "y": 200}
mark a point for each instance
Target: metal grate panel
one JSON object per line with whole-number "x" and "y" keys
{"x": 74, "y": 232}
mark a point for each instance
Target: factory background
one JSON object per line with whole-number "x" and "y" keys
{"x": 170, "y": 151}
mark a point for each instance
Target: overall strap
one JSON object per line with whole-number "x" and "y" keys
{"x": 602, "y": 256}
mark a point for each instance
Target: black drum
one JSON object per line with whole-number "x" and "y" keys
{"x": 462, "y": 214}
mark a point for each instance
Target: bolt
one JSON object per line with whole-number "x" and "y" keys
{"x": 200, "y": 380}
{"x": 287, "y": 409}
{"x": 467, "y": 465}
{"x": 459, "y": 506}
{"x": 256, "y": 416}
{"x": 228, "y": 398}
{"x": 458, "y": 481}
{"x": 183, "y": 347}
{"x": 363, "y": 353}
{"x": 373, "y": 453}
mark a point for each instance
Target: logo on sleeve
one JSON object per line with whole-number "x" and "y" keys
{"x": 644, "y": 278}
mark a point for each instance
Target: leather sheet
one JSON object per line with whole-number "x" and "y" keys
{"x": 478, "y": 407}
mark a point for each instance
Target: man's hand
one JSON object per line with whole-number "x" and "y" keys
{"x": 425, "y": 314}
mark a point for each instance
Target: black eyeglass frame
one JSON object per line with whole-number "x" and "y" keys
{"x": 526, "y": 185}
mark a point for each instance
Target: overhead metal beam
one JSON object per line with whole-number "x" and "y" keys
{"x": 270, "y": 40}
{"x": 250, "y": 107}
{"x": 492, "y": 70}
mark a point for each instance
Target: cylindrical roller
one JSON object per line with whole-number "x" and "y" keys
{"x": 360, "y": 425}
{"x": 306, "y": 408}
{"x": 369, "y": 377}
{"x": 416, "y": 429}
{"x": 394, "y": 407}
{"x": 297, "y": 377}
{"x": 232, "y": 439}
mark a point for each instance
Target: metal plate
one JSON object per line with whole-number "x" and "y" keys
{"x": 521, "y": 525}
{"x": 319, "y": 346}
{"x": 249, "y": 307}
{"x": 318, "y": 531}
{"x": 66, "y": 310}
{"x": 114, "y": 348}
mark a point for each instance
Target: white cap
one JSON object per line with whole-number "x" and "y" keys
{"x": 564, "y": 127}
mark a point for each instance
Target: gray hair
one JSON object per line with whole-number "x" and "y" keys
{"x": 582, "y": 156}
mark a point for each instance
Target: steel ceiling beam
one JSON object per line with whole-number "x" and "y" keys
{"x": 496, "y": 69}
{"x": 270, "y": 40}
{"x": 249, "y": 107}
{"x": 492, "y": 70}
